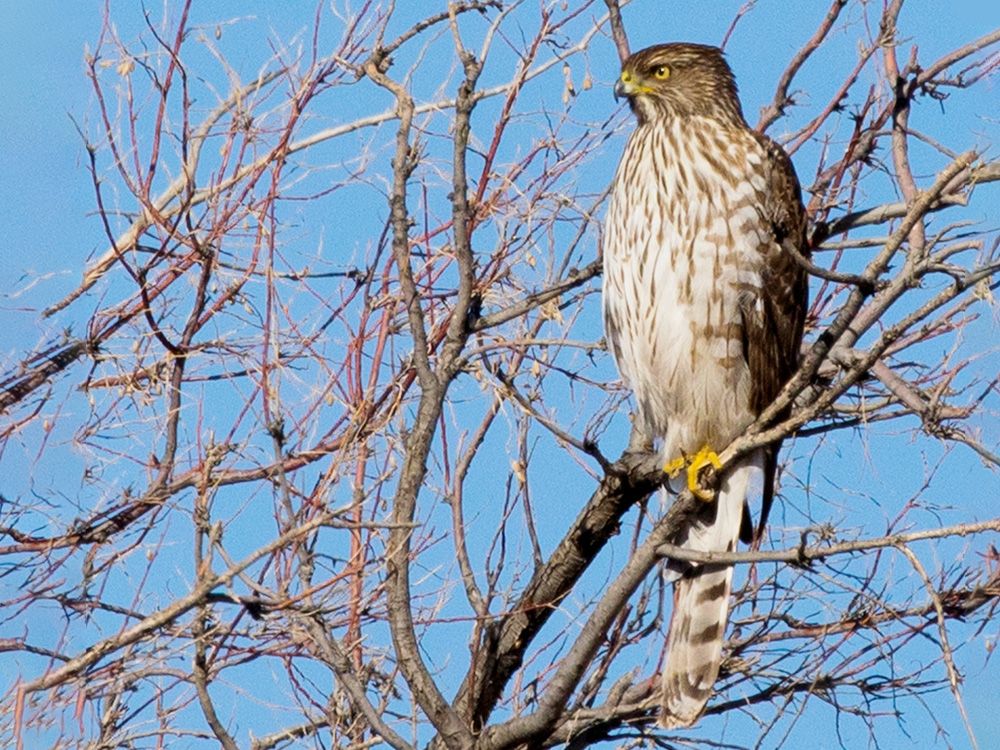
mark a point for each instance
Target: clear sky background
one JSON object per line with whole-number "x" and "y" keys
{"x": 48, "y": 231}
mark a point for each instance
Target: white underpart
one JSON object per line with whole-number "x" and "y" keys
{"x": 674, "y": 325}
{"x": 687, "y": 394}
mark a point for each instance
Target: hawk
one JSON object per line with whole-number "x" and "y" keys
{"x": 704, "y": 302}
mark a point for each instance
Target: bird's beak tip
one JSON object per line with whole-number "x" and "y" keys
{"x": 619, "y": 90}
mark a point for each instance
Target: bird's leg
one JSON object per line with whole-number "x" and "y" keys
{"x": 695, "y": 464}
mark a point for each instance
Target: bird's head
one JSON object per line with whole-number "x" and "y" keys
{"x": 680, "y": 80}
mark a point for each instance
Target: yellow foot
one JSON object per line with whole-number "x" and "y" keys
{"x": 703, "y": 458}
{"x": 695, "y": 464}
{"x": 675, "y": 467}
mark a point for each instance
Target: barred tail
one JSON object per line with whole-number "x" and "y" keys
{"x": 694, "y": 646}
{"x": 701, "y": 604}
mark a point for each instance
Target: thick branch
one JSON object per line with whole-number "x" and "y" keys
{"x": 425, "y": 691}
{"x": 631, "y": 479}
{"x": 557, "y": 692}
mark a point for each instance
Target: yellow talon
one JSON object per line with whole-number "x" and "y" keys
{"x": 703, "y": 458}
{"x": 694, "y": 465}
{"x": 673, "y": 469}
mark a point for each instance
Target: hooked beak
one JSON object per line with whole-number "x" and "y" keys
{"x": 626, "y": 86}
{"x": 620, "y": 89}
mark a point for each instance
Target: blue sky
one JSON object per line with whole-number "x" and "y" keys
{"x": 49, "y": 231}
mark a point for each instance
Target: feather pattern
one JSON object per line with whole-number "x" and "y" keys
{"x": 703, "y": 310}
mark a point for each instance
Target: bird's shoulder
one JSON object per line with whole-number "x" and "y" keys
{"x": 783, "y": 204}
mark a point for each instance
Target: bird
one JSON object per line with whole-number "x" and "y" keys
{"x": 704, "y": 300}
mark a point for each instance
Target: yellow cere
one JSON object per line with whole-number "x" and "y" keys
{"x": 631, "y": 87}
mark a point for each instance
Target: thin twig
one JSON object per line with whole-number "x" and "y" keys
{"x": 803, "y": 554}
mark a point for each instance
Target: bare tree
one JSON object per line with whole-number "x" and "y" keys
{"x": 331, "y": 440}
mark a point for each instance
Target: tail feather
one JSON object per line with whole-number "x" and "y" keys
{"x": 701, "y": 604}
{"x": 694, "y": 646}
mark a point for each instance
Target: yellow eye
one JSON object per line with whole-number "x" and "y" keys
{"x": 661, "y": 73}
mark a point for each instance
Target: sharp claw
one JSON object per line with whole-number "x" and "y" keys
{"x": 674, "y": 468}
{"x": 694, "y": 465}
{"x": 704, "y": 457}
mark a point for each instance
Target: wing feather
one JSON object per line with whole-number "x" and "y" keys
{"x": 773, "y": 323}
